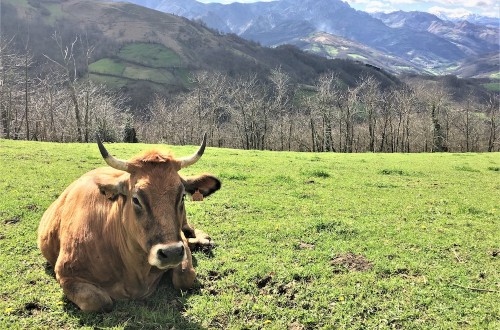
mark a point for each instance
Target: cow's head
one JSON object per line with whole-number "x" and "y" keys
{"x": 154, "y": 193}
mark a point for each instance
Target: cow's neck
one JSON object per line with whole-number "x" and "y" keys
{"x": 138, "y": 278}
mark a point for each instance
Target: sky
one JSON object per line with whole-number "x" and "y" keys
{"x": 452, "y": 8}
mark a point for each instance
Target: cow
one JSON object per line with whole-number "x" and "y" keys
{"x": 116, "y": 230}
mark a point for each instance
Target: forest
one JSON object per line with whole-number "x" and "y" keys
{"x": 58, "y": 102}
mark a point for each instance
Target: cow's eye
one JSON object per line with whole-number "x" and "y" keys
{"x": 136, "y": 202}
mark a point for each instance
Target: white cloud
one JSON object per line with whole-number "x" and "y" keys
{"x": 452, "y": 13}
{"x": 453, "y": 7}
{"x": 378, "y": 6}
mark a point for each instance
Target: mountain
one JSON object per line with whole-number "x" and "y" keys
{"x": 428, "y": 43}
{"x": 485, "y": 66}
{"x": 478, "y": 42}
{"x": 493, "y": 22}
{"x": 144, "y": 51}
{"x": 331, "y": 46}
{"x": 472, "y": 39}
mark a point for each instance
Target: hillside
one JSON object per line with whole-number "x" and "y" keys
{"x": 430, "y": 44}
{"x": 332, "y": 46}
{"x": 143, "y": 51}
{"x": 480, "y": 43}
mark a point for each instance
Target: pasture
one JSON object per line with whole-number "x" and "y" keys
{"x": 303, "y": 241}
{"x": 139, "y": 61}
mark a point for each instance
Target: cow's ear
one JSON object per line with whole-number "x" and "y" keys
{"x": 112, "y": 187}
{"x": 206, "y": 184}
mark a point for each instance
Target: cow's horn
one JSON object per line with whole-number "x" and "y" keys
{"x": 190, "y": 160}
{"x": 110, "y": 160}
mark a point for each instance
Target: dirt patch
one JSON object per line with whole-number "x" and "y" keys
{"x": 32, "y": 308}
{"x": 306, "y": 246}
{"x": 296, "y": 326}
{"x": 32, "y": 207}
{"x": 12, "y": 220}
{"x": 262, "y": 282}
{"x": 351, "y": 262}
{"x": 495, "y": 253}
{"x": 207, "y": 281}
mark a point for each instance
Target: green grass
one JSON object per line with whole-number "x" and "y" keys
{"x": 107, "y": 66}
{"x": 150, "y": 55}
{"x": 140, "y": 61}
{"x": 495, "y": 75}
{"x": 323, "y": 241}
{"x": 493, "y": 86}
{"x": 331, "y": 50}
{"x": 160, "y": 76}
{"x": 55, "y": 12}
{"x": 357, "y": 56}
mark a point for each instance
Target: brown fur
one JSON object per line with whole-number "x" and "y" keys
{"x": 98, "y": 243}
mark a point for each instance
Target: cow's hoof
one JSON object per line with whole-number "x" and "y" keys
{"x": 203, "y": 244}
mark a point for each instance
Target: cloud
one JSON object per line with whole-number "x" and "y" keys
{"x": 453, "y": 7}
{"x": 378, "y": 6}
{"x": 450, "y": 12}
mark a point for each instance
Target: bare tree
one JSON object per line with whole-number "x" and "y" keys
{"x": 327, "y": 106}
{"x": 436, "y": 100}
{"x": 209, "y": 97}
{"x": 370, "y": 98}
{"x": 280, "y": 106}
{"x": 492, "y": 108}
{"x": 10, "y": 81}
{"x": 67, "y": 63}
{"x": 248, "y": 112}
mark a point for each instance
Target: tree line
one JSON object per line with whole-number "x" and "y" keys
{"x": 276, "y": 114}
{"x": 250, "y": 111}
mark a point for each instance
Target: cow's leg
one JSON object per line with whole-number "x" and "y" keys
{"x": 183, "y": 276}
{"x": 87, "y": 296}
{"x": 197, "y": 238}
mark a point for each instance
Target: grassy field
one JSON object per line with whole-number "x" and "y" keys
{"x": 493, "y": 86}
{"x": 150, "y": 55}
{"x": 304, "y": 241}
{"x": 140, "y": 61}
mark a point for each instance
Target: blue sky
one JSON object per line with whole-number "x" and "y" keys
{"x": 450, "y": 7}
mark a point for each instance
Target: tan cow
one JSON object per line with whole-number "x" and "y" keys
{"x": 115, "y": 231}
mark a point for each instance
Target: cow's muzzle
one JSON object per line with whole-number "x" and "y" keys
{"x": 167, "y": 255}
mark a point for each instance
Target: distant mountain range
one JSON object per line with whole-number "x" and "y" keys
{"x": 397, "y": 42}
{"x": 471, "y": 18}
{"x": 143, "y": 51}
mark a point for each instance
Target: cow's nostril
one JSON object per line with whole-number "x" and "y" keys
{"x": 163, "y": 254}
{"x": 172, "y": 254}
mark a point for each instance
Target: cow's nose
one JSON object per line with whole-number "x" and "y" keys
{"x": 172, "y": 254}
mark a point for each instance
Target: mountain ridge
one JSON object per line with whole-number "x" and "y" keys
{"x": 126, "y": 37}
{"x": 435, "y": 47}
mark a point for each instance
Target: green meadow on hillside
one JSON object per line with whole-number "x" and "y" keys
{"x": 154, "y": 63}
{"x": 303, "y": 241}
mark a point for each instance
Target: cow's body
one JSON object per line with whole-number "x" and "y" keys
{"x": 113, "y": 234}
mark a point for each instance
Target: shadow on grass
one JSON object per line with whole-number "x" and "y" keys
{"x": 162, "y": 310}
